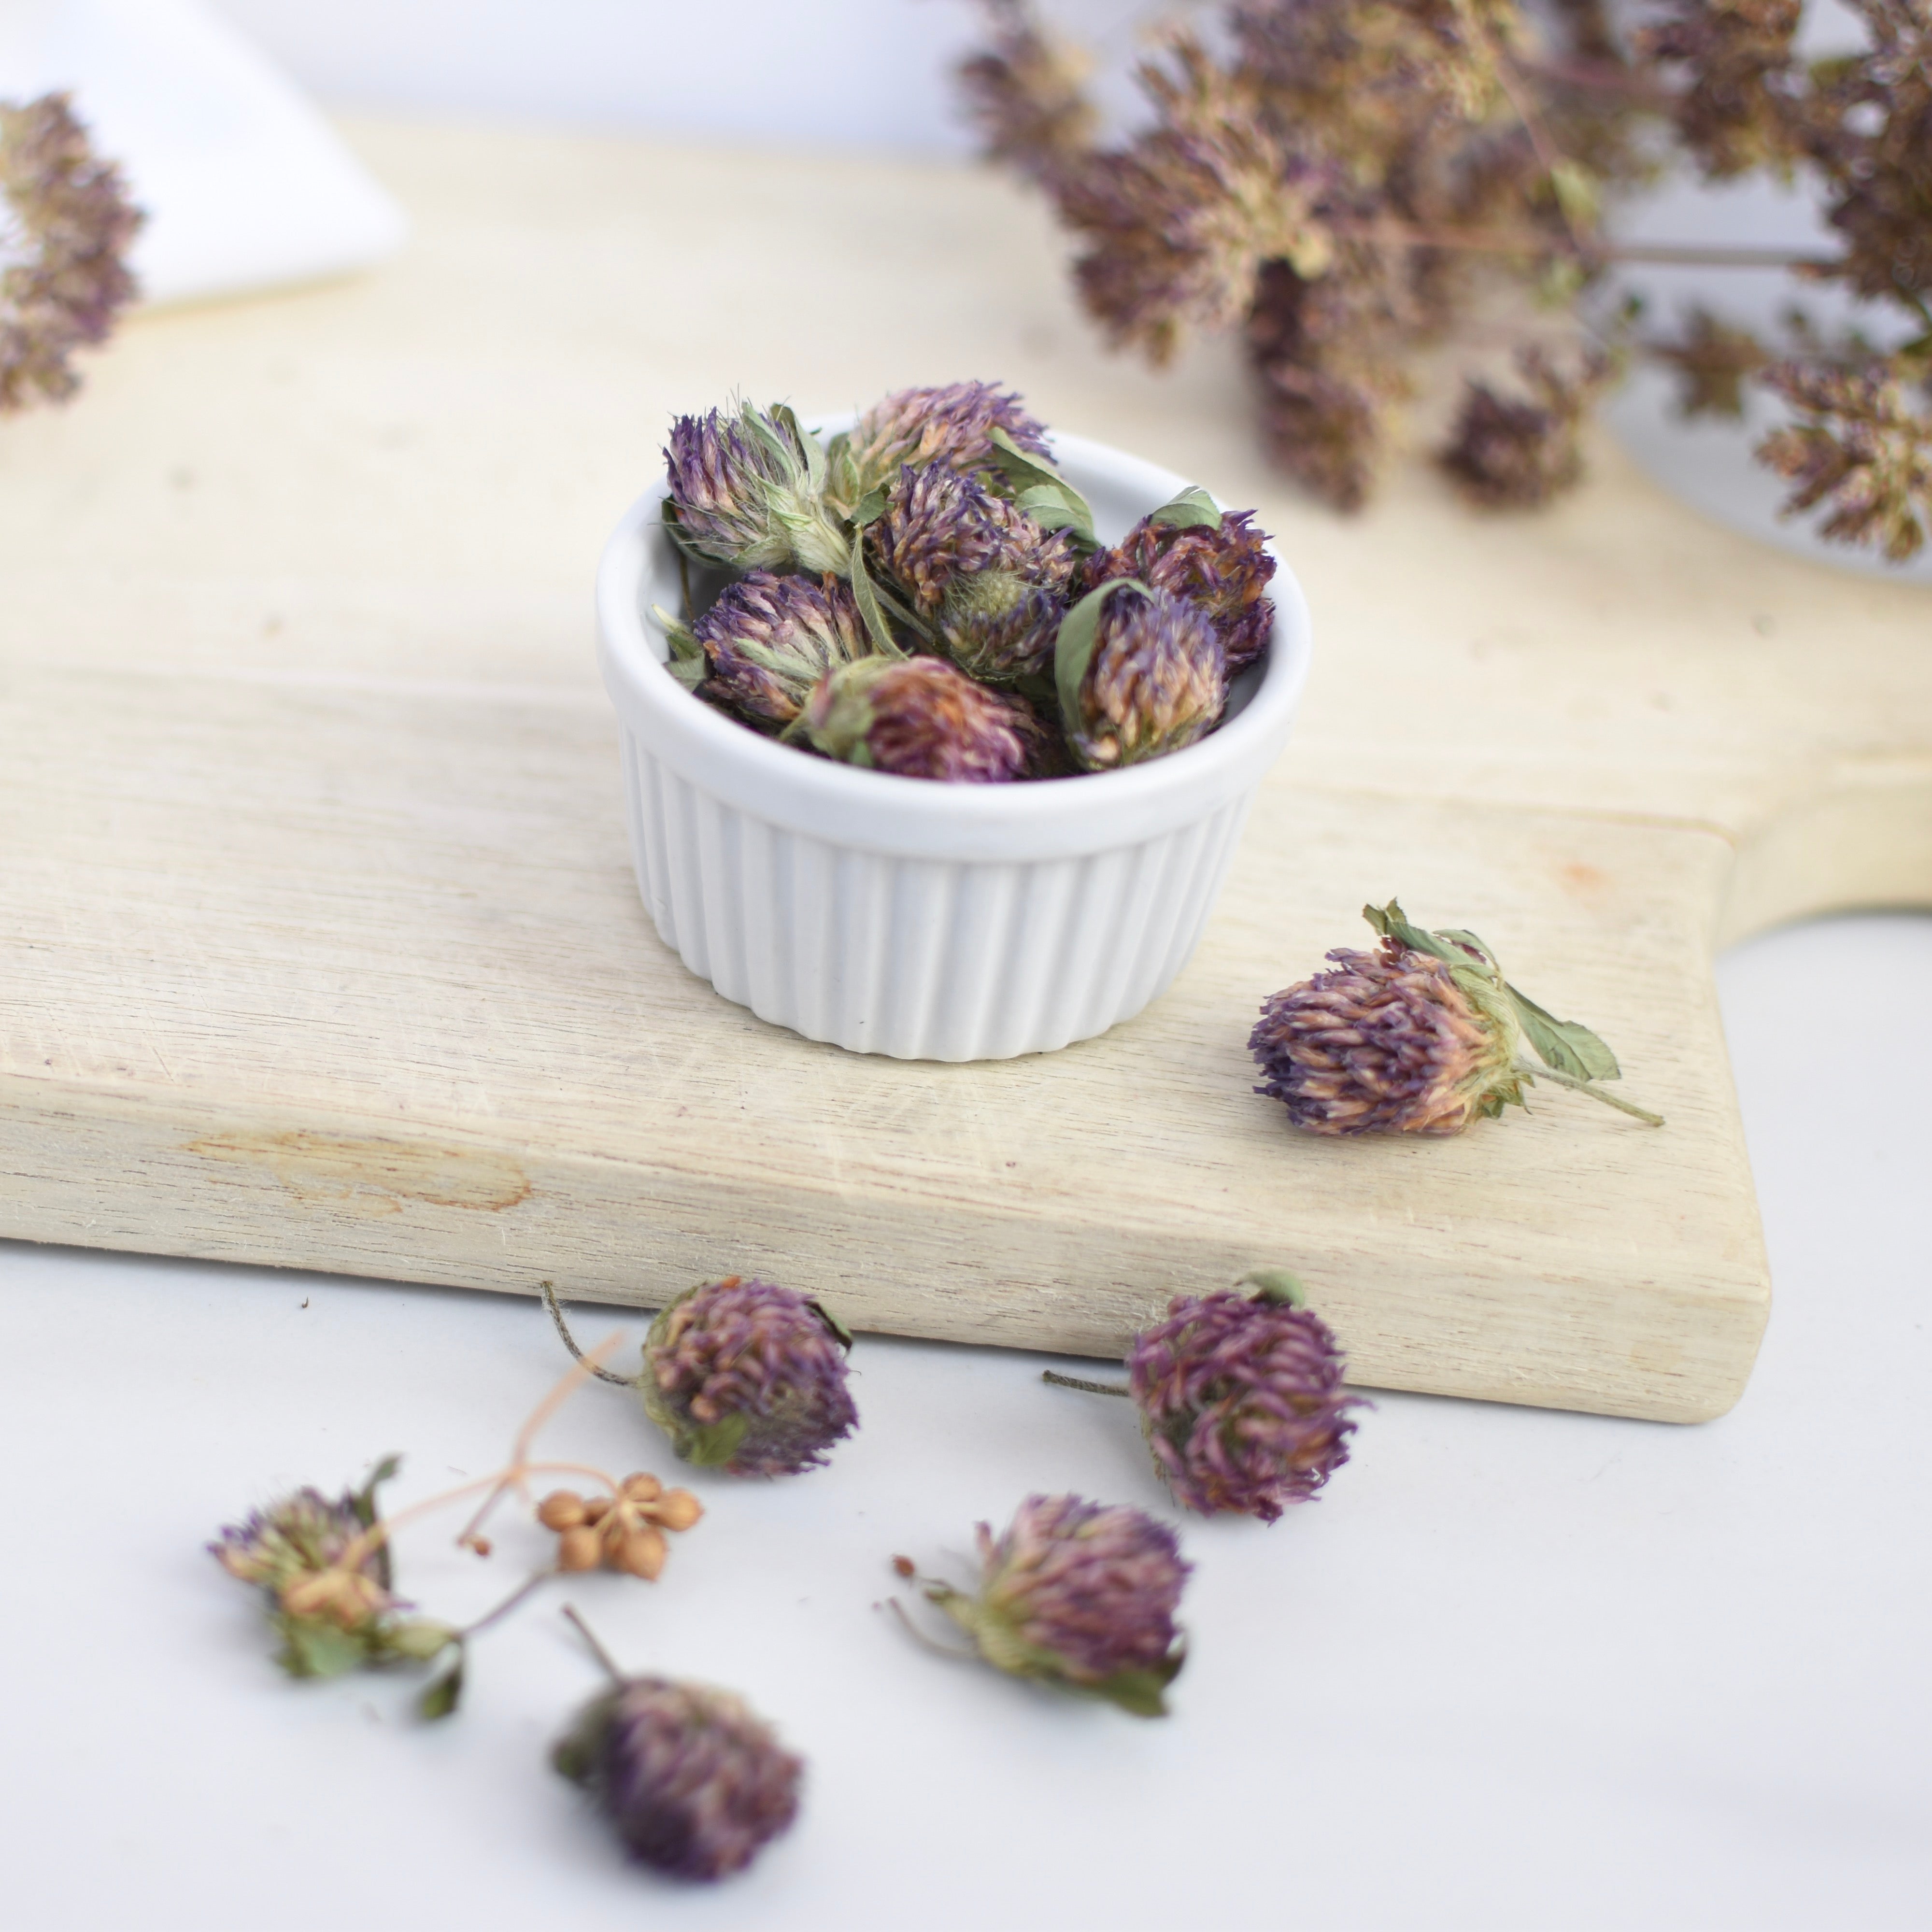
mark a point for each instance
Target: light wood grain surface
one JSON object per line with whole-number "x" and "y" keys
{"x": 321, "y": 946}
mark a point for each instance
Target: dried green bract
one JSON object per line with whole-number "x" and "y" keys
{"x": 1423, "y": 1037}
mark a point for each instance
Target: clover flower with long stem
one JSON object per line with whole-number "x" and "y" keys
{"x": 325, "y": 1565}
{"x": 1077, "y": 1594}
{"x": 1240, "y": 1397}
{"x": 1423, "y": 1037}
{"x": 694, "y": 1782}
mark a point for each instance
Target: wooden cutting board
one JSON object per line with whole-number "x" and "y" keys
{"x": 322, "y": 949}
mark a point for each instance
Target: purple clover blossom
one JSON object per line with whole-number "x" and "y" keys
{"x": 1241, "y": 1402}
{"x": 66, "y": 225}
{"x": 1224, "y": 571}
{"x": 1157, "y": 680}
{"x": 1390, "y": 1042}
{"x": 950, "y": 427}
{"x": 766, "y": 642}
{"x": 939, "y": 530}
{"x": 1080, "y": 1594}
{"x": 744, "y": 491}
{"x": 998, "y": 628}
{"x": 922, "y": 718}
{"x": 694, "y": 1782}
{"x": 747, "y": 1377}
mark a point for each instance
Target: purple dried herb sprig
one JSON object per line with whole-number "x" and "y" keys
{"x": 1861, "y": 448}
{"x": 1240, "y": 1397}
{"x": 764, "y": 644}
{"x": 1077, "y": 1594}
{"x": 743, "y": 1376}
{"x": 694, "y": 1783}
{"x": 66, "y": 225}
{"x": 1422, "y": 1037}
{"x": 922, "y": 718}
{"x": 1139, "y": 673}
{"x": 1218, "y": 562}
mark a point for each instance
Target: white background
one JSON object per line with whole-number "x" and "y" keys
{"x": 1516, "y": 1668}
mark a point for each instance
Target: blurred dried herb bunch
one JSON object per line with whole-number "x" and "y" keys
{"x": 66, "y": 225}
{"x": 1350, "y": 181}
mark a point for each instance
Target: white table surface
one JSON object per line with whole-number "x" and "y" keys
{"x": 1517, "y": 1668}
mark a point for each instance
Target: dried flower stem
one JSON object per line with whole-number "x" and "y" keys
{"x": 534, "y": 1581}
{"x": 959, "y": 1653}
{"x": 1075, "y": 1382}
{"x": 1540, "y": 241}
{"x": 603, "y": 1375}
{"x": 1536, "y": 1070}
{"x": 597, "y": 1650}
{"x": 512, "y": 1474}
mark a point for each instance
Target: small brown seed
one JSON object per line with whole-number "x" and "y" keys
{"x": 641, "y": 1488}
{"x": 580, "y": 1548}
{"x": 481, "y": 1545}
{"x": 643, "y": 1554}
{"x": 562, "y": 1509}
{"x": 676, "y": 1509}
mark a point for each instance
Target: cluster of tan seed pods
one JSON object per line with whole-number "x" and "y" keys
{"x": 624, "y": 1532}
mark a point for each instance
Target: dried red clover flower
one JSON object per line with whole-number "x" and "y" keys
{"x": 742, "y": 1375}
{"x": 1422, "y": 1037}
{"x": 1140, "y": 673}
{"x": 1077, "y": 1594}
{"x": 328, "y": 1580}
{"x": 767, "y": 641}
{"x": 694, "y": 1781}
{"x": 304, "y": 1534}
{"x": 746, "y": 492}
{"x": 1241, "y": 1400}
{"x": 749, "y": 1377}
{"x": 922, "y": 718}
{"x": 66, "y": 225}
{"x": 1218, "y": 563}
{"x": 950, "y": 427}
{"x": 998, "y": 628}
{"x": 1862, "y": 449}
{"x": 1515, "y": 453}
{"x": 939, "y": 529}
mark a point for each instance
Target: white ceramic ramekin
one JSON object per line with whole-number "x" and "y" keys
{"x": 903, "y": 917}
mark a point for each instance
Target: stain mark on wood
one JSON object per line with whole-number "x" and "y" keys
{"x": 374, "y": 1177}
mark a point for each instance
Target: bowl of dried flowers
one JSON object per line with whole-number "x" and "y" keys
{"x": 939, "y": 731}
